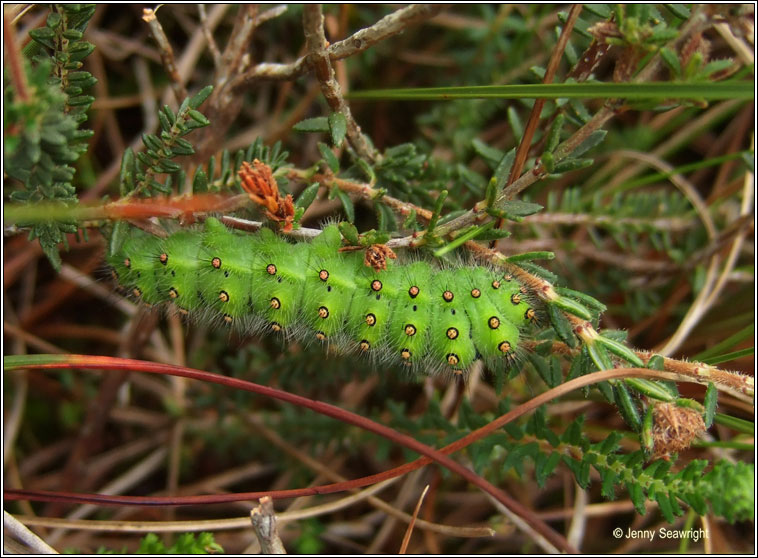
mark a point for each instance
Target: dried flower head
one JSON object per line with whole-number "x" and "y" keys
{"x": 674, "y": 429}
{"x": 259, "y": 183}
{"x": 377, "y": 255}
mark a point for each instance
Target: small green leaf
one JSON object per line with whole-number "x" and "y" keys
{"x": 599, "y": 356}
{"x": 650, "y": 388}
{"x": 500, "y": 177}
{"x": 337, "y": 127}
{"x": 595, "y": 138}
{"x": 581, "y": 297}
{"x": 548, "y": 162}
{"x": 539, "y": 271}
{"x": 367, "y": 171}
{"x": 349, "y": 233}
{"x": 515, "y": 122}
{"x": 621, "y": 350}
{"x": 571, "y": 164}
{"x": 200, "y": 181}
{"x": 672, "y": 61}
{"x": 44, "y": 36}
{"x": 72, "y": 34}
{"x": 656, "y": 362}
{"x": 562, "y": 326}
{"x": 529, "y": 256}
{"x": 520, "y": 208}
{"x": 637, "y": 496}
{"x": 665, "y": 506}
{"x": 682, "y": 12}
{"x": 347, "y": 204}
{"x": 306, "y": 197}
{"x": 200, "y": 97}
{"x": 198, "y": 117}
{"x": 554, "y": 136}
{"x": 329, "y": 157}
{"x": 572, "y": 307}
{"x": 710, "y": 403}
{"x": 646, "y": 432}
{"x": 491, "y": 155}
{"x": 167, "y": 165}
{"x": 318, "y": 124}
{"x": 53, "y": 20}
{"x": 628, "y": 409}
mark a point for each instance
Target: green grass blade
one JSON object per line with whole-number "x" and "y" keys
{"x": 710, "y": 91}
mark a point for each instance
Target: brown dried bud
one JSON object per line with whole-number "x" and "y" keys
{"x": 377, "y": 255}
{"x": 674, "y": 429}
{"x": 259, "y": 183}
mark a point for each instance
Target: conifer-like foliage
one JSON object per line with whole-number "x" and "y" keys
{"x": 600, "y": 157}
{"x": 43, "y": 135}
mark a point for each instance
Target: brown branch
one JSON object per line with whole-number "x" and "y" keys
{"x": 212, "y": 46}
{"x": 534, "y": 117}
{"x": 225, "y": 103}
{"x": 167, "y": 53}
{"x": 386, "y": 27}
{"x": 263, "y": 519}
{"x": 14, "y": 60}
{"x": 319, "y": 61}
{"x": 409, "y": 530}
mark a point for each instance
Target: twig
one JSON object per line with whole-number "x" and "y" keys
{"x": 358, "y": 42}
{"x": 308, "y": 461}
{"x": 534, "y": 117}
{"x": 578, "y": 526}
{"x": 264, "y": 523}
{"x": 212, "y": 46}
{"x": 524, "y": 526}
{"x": 660, "y": 223}
{"x": 133, "y": 476}
{"x": 167, "y": 54}
{"x": 21, "y": 532}
{"x": 239, "y": 40}
{"x": 14, "y": 60}
{"x": 318, "y": 59}
{"x": 409, "y": 530}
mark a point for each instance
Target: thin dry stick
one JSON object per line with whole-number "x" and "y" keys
{"x": 318, "y": 59}
{"x": 208, "y": 33}
{"x": 746, "y": 209}
{"x": 524, "y": 526}
{"x": 699, "y": 306}
{"x": 119, "y": 485}
{"x": 167, "y": 54}
{"x": 358, "y": 42}
{"x": 264, "y": 523}
{"x": 578, "y": 525}
{"x": 402, "y": 499}
{"x": 409, "y": 530}
{"x": 22, "y": 533}
{"x": 14, "y": 60}
{"x": 316, "y": 465}
{"x": 230, "y": 523}
{"x": 534, "y": 117}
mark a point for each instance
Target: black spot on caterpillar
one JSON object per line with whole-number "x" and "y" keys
{"x": 427, "y": 318}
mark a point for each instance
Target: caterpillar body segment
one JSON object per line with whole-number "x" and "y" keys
{"x": 412, "y": 314}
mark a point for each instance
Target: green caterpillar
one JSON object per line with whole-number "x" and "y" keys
{"x": 413, "y": 314}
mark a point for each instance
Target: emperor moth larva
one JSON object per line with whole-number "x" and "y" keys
{"x": 414, "y": 314}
